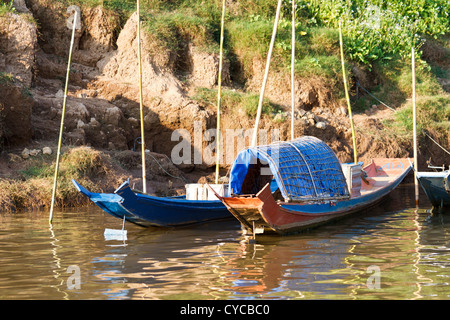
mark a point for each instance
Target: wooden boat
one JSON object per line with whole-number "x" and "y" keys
{"x": 436, "y": 186}
{"x": 147, "y": 210}
{"x": 314, "y": 187}
{"x": 150, "y": 211}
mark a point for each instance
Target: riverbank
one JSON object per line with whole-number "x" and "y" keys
{"x": 26, "y": 178}
{"x": 180, "y": 66}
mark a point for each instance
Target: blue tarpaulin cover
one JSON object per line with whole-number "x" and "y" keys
{"x": 303, "y": 169}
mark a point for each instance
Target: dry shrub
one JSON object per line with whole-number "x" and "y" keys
{"x": 90, "y": 167}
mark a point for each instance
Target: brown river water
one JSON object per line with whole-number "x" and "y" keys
{"x": 392, "y": 251}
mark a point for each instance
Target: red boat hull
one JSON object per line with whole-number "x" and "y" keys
{"x": 263, "y": 213}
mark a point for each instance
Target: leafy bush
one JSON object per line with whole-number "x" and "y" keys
{"x": 6, "y": 7}
{"x": 379, "y": 29}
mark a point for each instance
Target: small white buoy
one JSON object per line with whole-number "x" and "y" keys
{"x": 116, "y": 234}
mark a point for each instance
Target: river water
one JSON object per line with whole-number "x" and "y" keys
{"x": 392, "y": 251}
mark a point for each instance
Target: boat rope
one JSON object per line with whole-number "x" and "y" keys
{"x": 137, "y": 140}
{"x": 436, "y": 142}
{"x": 165, "y": 171}
{"x": 392, "y": 109}
{"x": 384, "y": 104}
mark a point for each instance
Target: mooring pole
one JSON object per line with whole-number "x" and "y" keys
{"x": 341, "y": 44}
{"x": 266, "y": 74}
{"x": 293, "y": 72}
{"x": 416, "y": 182}
{"x": 58, "y": 154}
{"x": 141, "y": 107}
{"x": 219, "y": 94}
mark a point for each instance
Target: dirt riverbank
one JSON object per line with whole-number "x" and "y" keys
{"x": 103, "y": 107}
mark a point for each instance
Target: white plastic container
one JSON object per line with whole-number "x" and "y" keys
{"x": 198, "y": 191}
{"x": 220, "y": 189}
{"x": 192, "y": 191}
{"x": 352, "y": 173}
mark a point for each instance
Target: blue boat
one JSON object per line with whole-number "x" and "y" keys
{"x": 314, "y": 187}
{"x": 436, "y": 186}
{"x": 150, "y": 211}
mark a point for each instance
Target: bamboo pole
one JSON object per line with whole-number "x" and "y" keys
{"x": 416, "y": 182}
{"x": 219, "y": 94}
{"x": 266, "y": 74}
{"x": 293, "y": 72}
{"x": 141, "y": 111}
{"x": 61, "y": 129}
{"x": 355, "y": 156}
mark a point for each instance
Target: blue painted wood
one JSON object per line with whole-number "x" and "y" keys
{"x": 436, "y": 186}
{"x": 147, "y": 211}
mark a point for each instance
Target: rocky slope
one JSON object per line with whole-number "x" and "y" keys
{"x": 103, "y": 97}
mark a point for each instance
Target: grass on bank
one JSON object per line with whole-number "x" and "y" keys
{"x": 433, "y": 116}
{"x": 6, "y": 7}
{"x": 32, "y": 188}
{"x": 232, "y": 101}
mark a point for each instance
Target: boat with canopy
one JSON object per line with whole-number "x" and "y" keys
{"x": 290, "y": 186}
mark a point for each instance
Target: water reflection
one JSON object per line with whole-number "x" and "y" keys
{"x": 409, "y": 246}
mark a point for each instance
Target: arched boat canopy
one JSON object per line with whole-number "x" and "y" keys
{"x": 303, "y": 169}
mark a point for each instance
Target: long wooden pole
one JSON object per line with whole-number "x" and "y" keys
{"x": 144, "y": 178}
{"x": 219, "y": 94}
{"x": 293, "y": 72}
{"x": 416, "y": 182}
{"x": 266, "y": 74}
{"x": 61, "y": 129}
{"x": 355, "y": 156}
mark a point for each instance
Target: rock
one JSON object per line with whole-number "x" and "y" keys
{"x": 18, "y": 45}
{"x": 77, "y": 110}
{"x": 34, "y": 152}
{"x": 321, "y": 125}
{"x": 25, "y": 153}
{"x": 112, "y": 116}
{"x": 14, "y": 157}
{"x": 46, "y": 150}
{"x": 15, "y": 114}
{"x": 205, "y": 68}
{"x": 21, "y": 6}
{"x": 76, "y": 137}
{"x": 80, "y": 124}
{"x": 310, "y": 115}
{"x": 59, "y": 94}
{"x": 301, "y": 112}
{"x": 134, "y": 122}
{"x": 94, "y": 123}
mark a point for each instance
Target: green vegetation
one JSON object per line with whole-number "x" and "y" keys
{"x": 6, "y": 78}
{"x": 380, "y": 29}
{"x": 233, "y": 100}
{"x": 433, "y": 114}
{"x": 6, "y": 7}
